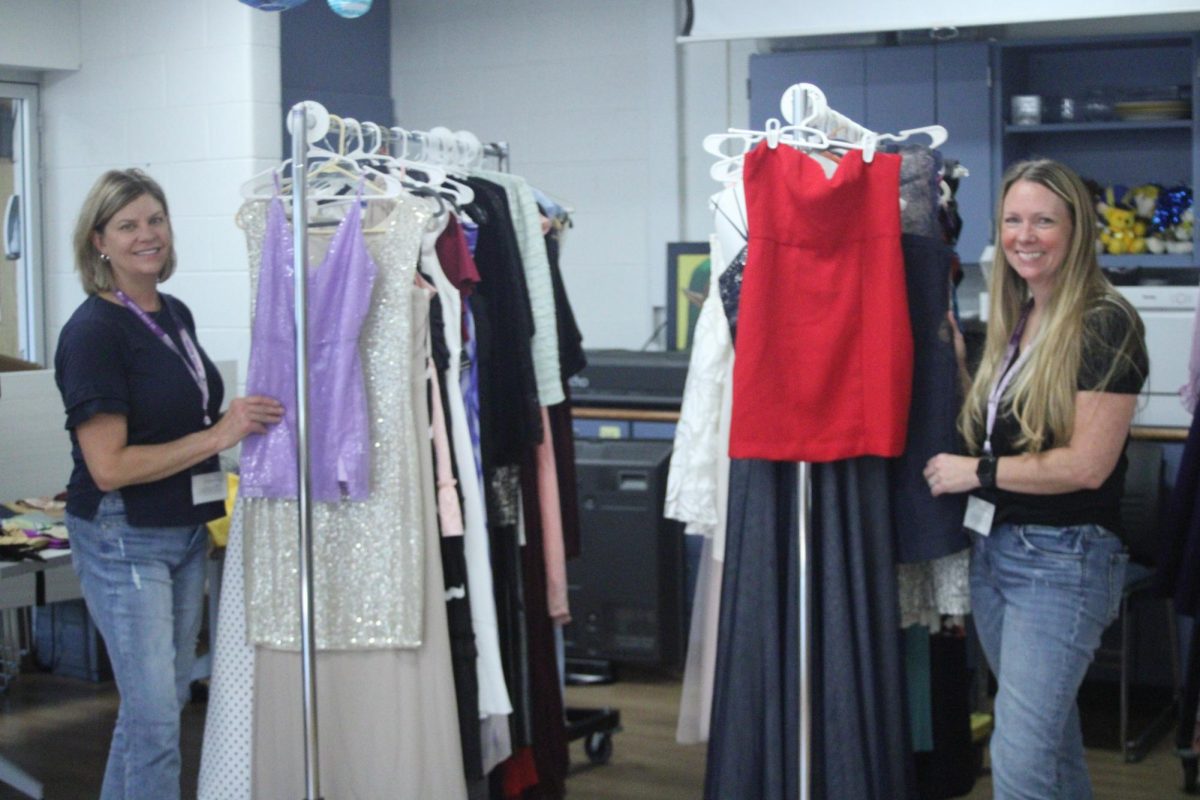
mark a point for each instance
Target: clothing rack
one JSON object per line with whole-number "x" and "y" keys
{"x": 300, "y": 124}
{"x": 450, "y": 147}
{"x": 813, "y": 123}
{"x": 308, "y": 122}
{"x": 805, "y": 104}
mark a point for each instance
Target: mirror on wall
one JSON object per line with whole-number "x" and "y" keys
{"x": 20, "y": 269}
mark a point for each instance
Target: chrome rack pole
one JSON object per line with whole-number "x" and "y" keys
{"x": 804, "y": 496}
{"x": 300, "y": 123}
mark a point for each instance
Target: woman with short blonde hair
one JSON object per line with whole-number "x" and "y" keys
{"x": 143, "y": 407}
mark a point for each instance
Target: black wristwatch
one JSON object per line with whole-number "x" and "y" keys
{"x": 986, "y": 472}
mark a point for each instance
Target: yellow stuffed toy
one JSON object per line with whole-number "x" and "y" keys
{"x": 1121, "y": 235}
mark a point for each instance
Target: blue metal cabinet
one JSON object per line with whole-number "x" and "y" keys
{"x": 893, "y": 88}
{"x": 1101, "y": 75}
{"x": 841, "y": 75}
{"x": 964, "y": 104}
{"x": 900, "y": 88}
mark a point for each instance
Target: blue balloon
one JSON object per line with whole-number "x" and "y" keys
{"x": 274, "y": 5}
{"x": 350, "y": 8}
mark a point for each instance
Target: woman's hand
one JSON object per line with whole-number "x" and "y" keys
{"x": 114, "y": 463}
{"x": 247, "y": 415}
{"x": 950, "y": 474}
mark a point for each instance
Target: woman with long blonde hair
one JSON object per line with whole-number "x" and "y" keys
{"x": 1046, "y": 421}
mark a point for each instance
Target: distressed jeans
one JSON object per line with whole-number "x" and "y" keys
{"x": 144, "y": 588}
{"x": 1041, "y": 597}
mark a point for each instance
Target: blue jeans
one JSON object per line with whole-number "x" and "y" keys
{"x": 145, "y": 590}
{"x": 1041, "y": 598}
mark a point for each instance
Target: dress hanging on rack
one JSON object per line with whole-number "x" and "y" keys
{"x": 340, "y": 297}
{"x": 368, "y": 555}
{"x": 391, "y": 710}
{"x": 494, "y": 702}
{"x": 511, "y": 426}
{"x": 859, "y": 744}
{"x": 698, "y": 491}
{"x": 824, "y": 364}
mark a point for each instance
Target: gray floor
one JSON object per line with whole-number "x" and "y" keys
{"x": 57, "y": 729}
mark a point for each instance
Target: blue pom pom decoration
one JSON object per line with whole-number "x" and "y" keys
{"x": 350, "y": 9}
{"x": 274, "y": 5}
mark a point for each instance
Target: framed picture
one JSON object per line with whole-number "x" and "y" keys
{"x": 688, "y": 271}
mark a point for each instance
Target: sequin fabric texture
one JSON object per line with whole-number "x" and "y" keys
{"x": 368, "y": 556}
{"x": 339, "y": 298}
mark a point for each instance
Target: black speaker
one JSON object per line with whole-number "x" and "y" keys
{"x": 626, "y": 588}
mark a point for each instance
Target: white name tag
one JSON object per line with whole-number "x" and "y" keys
{"x": 208, "y": 487}
{"x": 979, "y": 515}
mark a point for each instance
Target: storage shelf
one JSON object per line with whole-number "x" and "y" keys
{"x": 1089, "y": 127}
{"x": 1147, "y": 260}
{"x": 1119, "y": 151}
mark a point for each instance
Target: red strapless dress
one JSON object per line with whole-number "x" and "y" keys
{"x": 824, "y": 349}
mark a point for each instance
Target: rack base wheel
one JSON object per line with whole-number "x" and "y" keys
{"x": 599, "y": 748}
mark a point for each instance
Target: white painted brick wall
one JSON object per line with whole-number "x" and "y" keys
{"x": 584, "y": 92}
{"x": 190, "y": 93}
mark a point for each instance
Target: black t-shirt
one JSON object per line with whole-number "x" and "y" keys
{"x": 109, "y": 362}
{"x": 1107, "y": 325}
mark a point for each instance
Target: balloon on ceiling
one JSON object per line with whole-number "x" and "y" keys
{"x": 274, "y": 5}
{"x": 350, "y": 8}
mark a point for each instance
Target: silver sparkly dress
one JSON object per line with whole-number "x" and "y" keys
{"x": 367, "y": 555}
{"x": 388, "y": 714}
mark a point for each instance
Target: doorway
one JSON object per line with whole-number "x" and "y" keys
{"x": 20, "y": 260}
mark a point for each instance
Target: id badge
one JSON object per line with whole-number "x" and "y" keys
{"x": 208, "y": 487}
{"x": 979, "y": 515}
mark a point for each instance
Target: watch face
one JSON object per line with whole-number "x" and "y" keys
{"x": 986, "y": 472}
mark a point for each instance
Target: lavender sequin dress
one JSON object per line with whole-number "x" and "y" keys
{"x": 339, "y": 296}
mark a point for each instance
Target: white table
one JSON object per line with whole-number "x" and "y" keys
{"x": 24, "y": 584}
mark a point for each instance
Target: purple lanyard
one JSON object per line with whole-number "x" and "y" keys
{"x": 1007, "y": 371}
{"x": 193, "y": 362}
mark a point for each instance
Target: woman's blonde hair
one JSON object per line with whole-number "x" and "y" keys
{"x": 113, "y": 191}
{"x": 1042, "y": 394}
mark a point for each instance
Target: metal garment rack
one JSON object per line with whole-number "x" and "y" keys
{"x": 803, "y": 104}
{"x": 804, "y": 558}
{"x": 303, "y": 118}
{"x": 496, "y": 150}
{"x": 299, "y": 124}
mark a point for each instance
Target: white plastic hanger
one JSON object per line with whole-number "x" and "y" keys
{"x": 263, "y": 185}
{"x": 936, "y": 133}
{"x": 807, "y": 97}
{"x": 819, "y": 128}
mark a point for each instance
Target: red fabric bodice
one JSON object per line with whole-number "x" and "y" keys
{"x": 824, "y": 348}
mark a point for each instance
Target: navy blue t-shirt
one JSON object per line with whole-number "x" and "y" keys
{"x": 109, "y": 362}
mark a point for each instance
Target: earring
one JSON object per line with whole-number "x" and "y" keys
{"x": 104, "y": 257}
